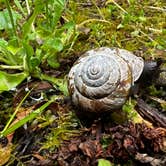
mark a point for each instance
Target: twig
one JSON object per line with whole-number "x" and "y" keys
{"x": 92, "y": 20}
{"x": 150, "y": 114}
{"x": 146, "y": 35}
{"x": 112, "y": 1}
{"x": 161, "y": 101}
{"x": 98, "y": 9}
{"x": 154, "y": 30}
{"x": 156, "y": 8}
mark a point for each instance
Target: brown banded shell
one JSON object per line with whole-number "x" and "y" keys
{"x": 101, "y": 79}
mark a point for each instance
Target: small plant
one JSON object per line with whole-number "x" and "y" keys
{"x": 10, "y": 128}
{"x": 66, "y": 128}
{"x": 38, "y": 37}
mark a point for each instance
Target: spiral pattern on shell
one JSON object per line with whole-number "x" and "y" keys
{"x": 101, "y": 79}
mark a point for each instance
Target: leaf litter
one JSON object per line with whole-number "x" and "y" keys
{"x": 73, "y": 143}
{"x": 126, "y": 142}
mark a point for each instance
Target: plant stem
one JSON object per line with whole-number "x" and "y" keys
{"x": 29, "y": 12}
{"x": 11, "y": 67}
{"x": 28, "y": 8}
{"x": 94, "y": 3}
{"x": 157, "y": 8}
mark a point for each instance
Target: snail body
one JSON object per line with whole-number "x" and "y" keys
{"x": 100, "y": 80}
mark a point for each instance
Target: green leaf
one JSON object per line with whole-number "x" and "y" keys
{"x": 29, "y": 52}
{"x": 3, "y": 42}
{"x": 68, "y": 32}
{"x": 9, "y": 81}
{"x": 5, "y": 22}
{"x": 53, "y": 61}
{"x": 27, "y": 27}
{"x": 103, "y": 162}
{"x": 6, "y": 55}
{"x": 34, "y": 62}
{"x": 53, "y": 44}
{"x": 59, "y": 6}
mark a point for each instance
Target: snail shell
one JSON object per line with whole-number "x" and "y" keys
{"x": 100, "y": 80}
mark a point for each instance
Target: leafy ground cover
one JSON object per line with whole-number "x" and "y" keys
{"x": 40, "y": 41}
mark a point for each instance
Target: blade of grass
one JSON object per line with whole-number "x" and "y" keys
{"x": 90, "y": 21}
{"x": 15, "y": 112}
{"x": 21, "y": 122}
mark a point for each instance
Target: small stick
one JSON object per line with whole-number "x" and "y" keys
{"x": 150, "y": 114}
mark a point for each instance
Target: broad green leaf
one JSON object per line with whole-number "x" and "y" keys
{"x": 59, "y": 6}
{"x": 8, "y": 52}
{"x": 61, "y": 2}
{"x": 6, "y": 56}
{"x": 38, "y": 54}
{"x": 3, "y": 42}
{"x": 9, "y": 81}
{"x": 53, "y": 61}
{"x": 103, "y": 162}
{"x": 54, "y": 44}
{"x": 34, "y": 62}
{"x": 5, "y": 22}
{"x": 14, "y": 49}
{"x": 128, "y": 109}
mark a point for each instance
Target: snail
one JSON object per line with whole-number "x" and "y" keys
{"x": 101, "y": 79}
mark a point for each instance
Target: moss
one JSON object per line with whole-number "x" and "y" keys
{"x": 136, "y": 25}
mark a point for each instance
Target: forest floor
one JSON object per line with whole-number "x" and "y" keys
{"x": 40, "y": 41}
